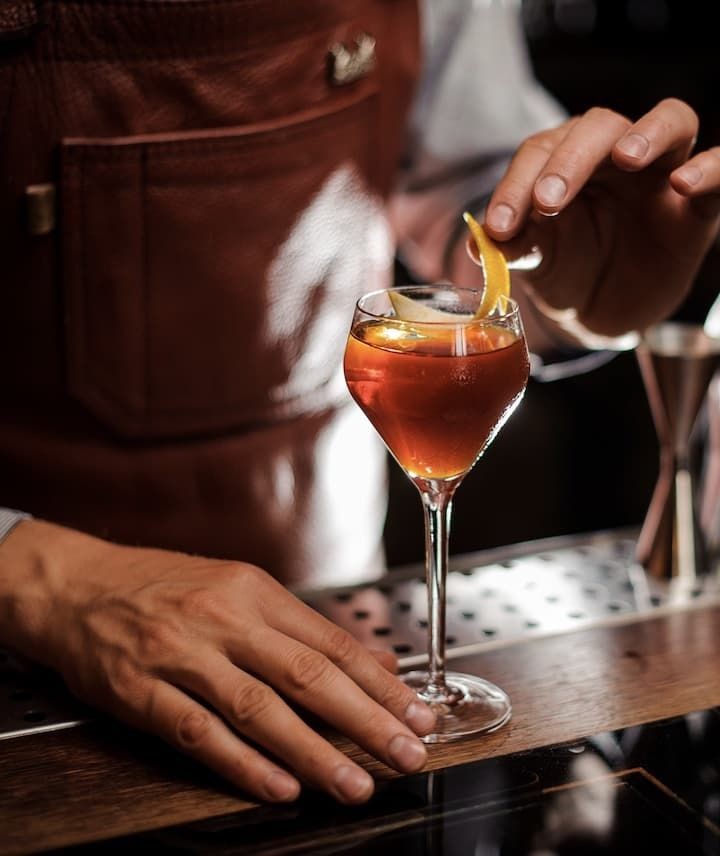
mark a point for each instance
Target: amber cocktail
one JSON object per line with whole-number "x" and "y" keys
{"x": 437, "y": 389}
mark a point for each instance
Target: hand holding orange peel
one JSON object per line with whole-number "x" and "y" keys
{"x": 495, "y": 269}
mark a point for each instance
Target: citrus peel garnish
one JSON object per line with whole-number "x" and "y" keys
{"x": 495, "y": 269}
{"x": 410, "y": 310}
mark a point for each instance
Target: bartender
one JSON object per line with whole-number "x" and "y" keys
{"x": 193, "y": 196}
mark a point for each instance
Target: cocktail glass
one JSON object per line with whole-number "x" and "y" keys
{"x": 438, "y": 390}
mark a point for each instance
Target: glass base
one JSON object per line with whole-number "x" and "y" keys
{"x": 470, "y": 706}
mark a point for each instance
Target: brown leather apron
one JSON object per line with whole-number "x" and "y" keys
{"x": 171, "y": 330}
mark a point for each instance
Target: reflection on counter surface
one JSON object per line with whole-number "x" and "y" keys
{"x": 653, "y": 788}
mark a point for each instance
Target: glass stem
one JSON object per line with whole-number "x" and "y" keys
{"x": 437, "y": 508}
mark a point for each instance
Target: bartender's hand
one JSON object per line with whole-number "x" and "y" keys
{"x": 635, "y": 213}
{"x": 209, "y": 655}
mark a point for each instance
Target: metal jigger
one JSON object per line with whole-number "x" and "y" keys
{"x": 677, "y": 362}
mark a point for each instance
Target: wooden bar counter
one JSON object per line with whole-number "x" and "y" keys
{"x": 101, "y": 780}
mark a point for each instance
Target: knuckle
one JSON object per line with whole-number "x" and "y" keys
{"x": 306, "y": 669}
{"x": 199, "y": 601}
{"x": 691, "y": 114}
{"x": 124, "y": 678}
{"x": 676, "y": 104}
{"x": 513, "y": 192}
{"x": 568, "y": 159}
{"x": 663, "y": 120}
{"x": 394, "y": 696}
{"x": 605, "y": 115}
{"x": 227, "y": 575}
{"x": 192, "y": 728}
{"x": 249, "y": 702}
{"x": 662, "y": 127}
{"x": 539, "y": 142}
{"x": 318, "y": 758}
{"x": 247, "y": 578}
{"x": 157, "y": 643}
{"x": 340, "y": 645}
{"x": 376, "y": 725}
{"x": 598, "y": 114}
{"x": 244, "y": 571}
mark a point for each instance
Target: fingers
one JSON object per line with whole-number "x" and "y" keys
{"x": 387, "y": 660}
{"x": 315, "y": 664}
{"x": 551, "y": 168}
{"x": 665, "y": 136}
{"x": 513, "y": 197}
{"x": 185, "y": 724}
{"x": 584, "y": 148}
{"x": 699, "y": 179}
{"x": 355, "y": 661}
{"x": 373, "y": 720}
{"x": 256, "y": 712}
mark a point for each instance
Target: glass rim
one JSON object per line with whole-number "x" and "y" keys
{"x": 511, "y": 306}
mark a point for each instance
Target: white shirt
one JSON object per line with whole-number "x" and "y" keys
{"x": 477, "y": 100}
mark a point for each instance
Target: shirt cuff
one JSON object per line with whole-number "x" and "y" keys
{"x": 9, "y": 519}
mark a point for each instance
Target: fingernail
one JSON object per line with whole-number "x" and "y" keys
{"x": 281, "y": 787}
{"x": 407, "y": 754}
{"x": 551, "y": 190}
{"x": 419, "y": 717}
{"x": 634, "y": 145}
{"x": 500, "y": 217}
{"x": 352, "y": 784}
{"x": 690, "y": 174}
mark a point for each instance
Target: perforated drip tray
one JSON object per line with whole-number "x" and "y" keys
{"x": 494, "y": 597}
{"x": 540, "y": 588}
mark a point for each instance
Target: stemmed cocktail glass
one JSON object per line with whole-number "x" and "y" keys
{"x": 438, "y": 383}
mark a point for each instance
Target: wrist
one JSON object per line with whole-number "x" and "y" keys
{"x": 36, "y": 570}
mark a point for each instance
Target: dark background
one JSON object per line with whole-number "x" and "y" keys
{"x": 580, "y": 455}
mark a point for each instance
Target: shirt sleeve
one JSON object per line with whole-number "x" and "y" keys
{"x": 477, "y": 100}
{"x": 9, "y": 519}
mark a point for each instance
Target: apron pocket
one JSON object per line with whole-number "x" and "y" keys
{"x": 178, "y": 318}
